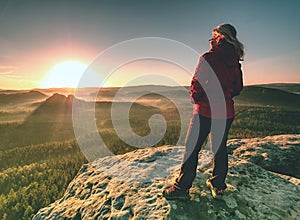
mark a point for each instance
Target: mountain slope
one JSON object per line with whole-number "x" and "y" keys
{"x": 260, "y": 96}
{"x": 130, "y": 186}
{"x": 20, "y": 98}
{"x": 288, "y": 87}
{"x": 50, "y": 121}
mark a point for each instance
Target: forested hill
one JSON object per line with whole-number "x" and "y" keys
{"x": 17, "y": 98}
{"x": 260, "y": 96}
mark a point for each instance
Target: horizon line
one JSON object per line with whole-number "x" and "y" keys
{"x": 145, "y": 85}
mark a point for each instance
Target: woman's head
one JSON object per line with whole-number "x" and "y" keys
{"x": 227, "y": 32}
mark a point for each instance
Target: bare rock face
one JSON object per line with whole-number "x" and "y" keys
{"x": 129, "y": 186}
{"x": 279, "y": 154}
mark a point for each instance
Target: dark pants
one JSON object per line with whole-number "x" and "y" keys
{"x": 199, "y": 129}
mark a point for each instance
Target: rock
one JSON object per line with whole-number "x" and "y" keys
{"x": 279, "y": 153}
{"x": 129, "y": 186}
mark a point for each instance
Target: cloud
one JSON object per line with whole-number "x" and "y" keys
{"x": 7, "y": 70}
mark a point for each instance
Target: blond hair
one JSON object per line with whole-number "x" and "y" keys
{"x": 228, "y": 32}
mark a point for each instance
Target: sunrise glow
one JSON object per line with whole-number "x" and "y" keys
{"x": 64, "y": 74}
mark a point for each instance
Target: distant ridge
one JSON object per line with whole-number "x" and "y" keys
{"x": 59, "y": 99}
{"x": 256, "y": 95}
{"x": 17, "y": 98}
{"x": 288, "y": 87}
{"x": 55, "y": 108}
{"x": 260, "y": 95}
{"x": 50, "y": 121}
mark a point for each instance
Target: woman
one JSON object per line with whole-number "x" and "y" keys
{"x": 223, "y": 59}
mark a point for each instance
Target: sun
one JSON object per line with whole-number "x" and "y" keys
{"x": 64, "y": 75}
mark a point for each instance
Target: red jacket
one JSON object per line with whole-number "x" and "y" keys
{"x": 222, "y": 61}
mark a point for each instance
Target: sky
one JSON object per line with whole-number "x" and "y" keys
{"x": 39, "y": 37}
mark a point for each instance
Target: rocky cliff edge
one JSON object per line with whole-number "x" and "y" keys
{"x": 263, "y": 174}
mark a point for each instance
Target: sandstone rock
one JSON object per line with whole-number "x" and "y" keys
{"x": 129, "y": 186}
{"x": 279, "y": 153}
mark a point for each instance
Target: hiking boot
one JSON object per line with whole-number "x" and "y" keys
{"x": 172, "y": 193}
{"x": 216, "y": 193}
